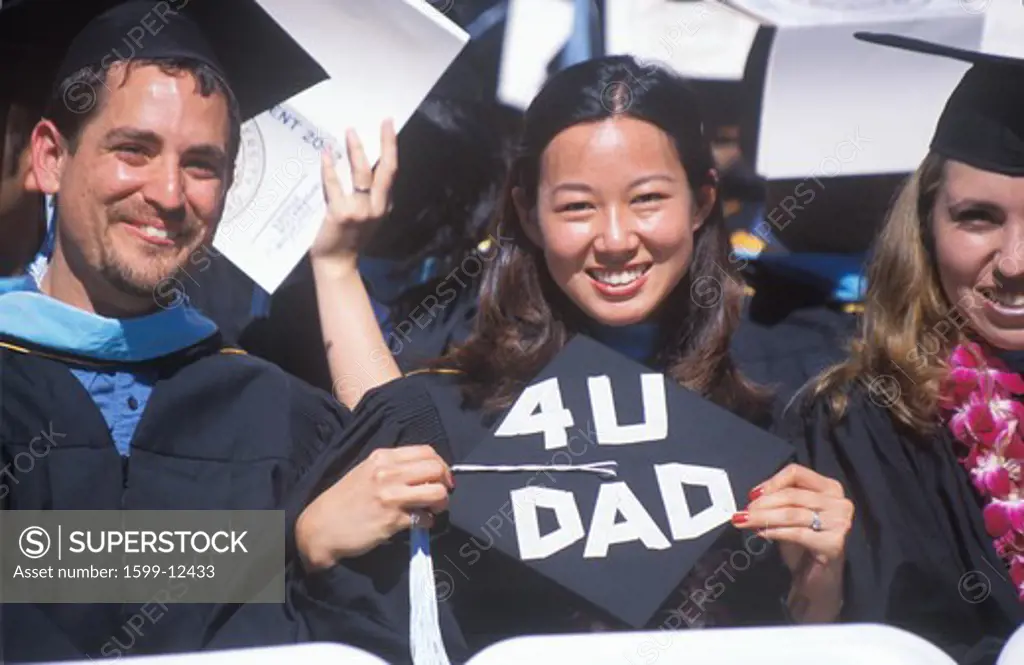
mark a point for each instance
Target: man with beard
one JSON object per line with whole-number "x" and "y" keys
{"x": 144, "y": 406}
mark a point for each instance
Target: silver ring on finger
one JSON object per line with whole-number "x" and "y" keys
{"x": 816, "y": 524}
{"x": 361, "y": 190}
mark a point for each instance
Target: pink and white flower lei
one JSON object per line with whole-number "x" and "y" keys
{"x": 982, "y": 400}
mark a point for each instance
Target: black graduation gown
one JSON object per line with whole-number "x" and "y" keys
{"x": 789, "y": 332}
{"x": 494, "y": 597}
{"x": 918, "y": 556}
{"x": 290, "y": 336}
{"x": 219, "y": 289}
{"x": 428, "y": 332}
{"x": 221, "y": 431}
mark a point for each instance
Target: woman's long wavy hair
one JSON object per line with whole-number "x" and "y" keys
{"x": 524, "y": 318}
{"x": 909, "y": 327}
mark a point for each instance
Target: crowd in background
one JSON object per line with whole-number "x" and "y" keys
{"x": 451, "y": 274}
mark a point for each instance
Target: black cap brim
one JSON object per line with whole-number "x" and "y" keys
{"x": 982, "y": 124}
{"x": 922, "y": 46}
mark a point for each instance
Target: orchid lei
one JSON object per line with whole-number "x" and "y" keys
{"x": 982, "y": 398}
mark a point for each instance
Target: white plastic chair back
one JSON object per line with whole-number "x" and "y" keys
{"x": 835, "y": 645}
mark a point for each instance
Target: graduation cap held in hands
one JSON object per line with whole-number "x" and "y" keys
{"x": 982, "y": 124}
{"x": 681, "y": 467}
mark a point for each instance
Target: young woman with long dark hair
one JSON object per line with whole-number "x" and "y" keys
{"x": 610, "y": 226}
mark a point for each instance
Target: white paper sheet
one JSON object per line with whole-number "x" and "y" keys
{"x": 383, "y": 58}
{"x": 823, "y": 12}
{"x": 1004, "y": 25}
{"x": 835, "y": 106}
{"x": 535, "y": 31}
{"x": 703, "y": 40}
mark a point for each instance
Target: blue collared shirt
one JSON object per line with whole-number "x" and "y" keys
{"x": 121, "y": 395}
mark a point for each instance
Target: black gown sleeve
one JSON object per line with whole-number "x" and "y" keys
{"x": 336, "y": 605}
{"x": 365, "y": 601}
{"x": 917, "y": 557}
{"x": 362, "y": 602}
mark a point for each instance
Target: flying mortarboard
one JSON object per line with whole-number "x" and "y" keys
{"x": 682, "y": 465}
{"x": 982, "y": 124}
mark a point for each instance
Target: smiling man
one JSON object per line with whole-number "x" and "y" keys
{"x": 153, "y": 411}
{"x": 142, "y": 183}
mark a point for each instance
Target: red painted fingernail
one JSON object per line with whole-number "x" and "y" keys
{"x": 756, "y": 492}
{"x": 740, "y": 518}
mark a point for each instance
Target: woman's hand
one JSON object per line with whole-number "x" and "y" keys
{"x": 352, "y": 217}
{"x": 371, "y": 503}
{"x": 810, "y": 516}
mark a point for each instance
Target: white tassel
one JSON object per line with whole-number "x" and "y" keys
{"x": 599, "y": 468}
{"x": 424, "y": 628}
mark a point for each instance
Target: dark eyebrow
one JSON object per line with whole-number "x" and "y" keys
{"x": 962, "y": 205}
{"x": 649, "y": 178}
{"x": 582, "y": 187}
{"x": 132, "y": 134}
{"x": 573, "y": 187}
{"x": 203, "y": 150}
{"x": 210, "y": 152}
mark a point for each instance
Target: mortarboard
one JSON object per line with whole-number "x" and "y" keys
{"x": 681, "y": 467}
{"x": 261, "y": 62}
{"x": 982, "y": 124}
{"x": 137, "y": 30}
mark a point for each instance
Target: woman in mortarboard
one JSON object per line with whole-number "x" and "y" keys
{"x": 922, "y": 422}
{"x": 608, "y": 223}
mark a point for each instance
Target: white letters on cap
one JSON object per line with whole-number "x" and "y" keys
{"x": 532, "y": 545}
{"x": 672, "y": 477}
{"x": 602, "y": 403}
{"x": 614, "y": 498}
{"x": 539, "y": 410}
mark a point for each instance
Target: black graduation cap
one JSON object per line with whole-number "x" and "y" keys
{"x": 262, "y": 63}
{"x": 683, "y": 467}
{"x": 982, "y": 124}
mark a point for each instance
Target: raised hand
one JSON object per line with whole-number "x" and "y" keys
{"x": 352, "y": 217}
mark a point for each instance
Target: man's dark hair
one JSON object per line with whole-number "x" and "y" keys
{"x": 76, "y": 100}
